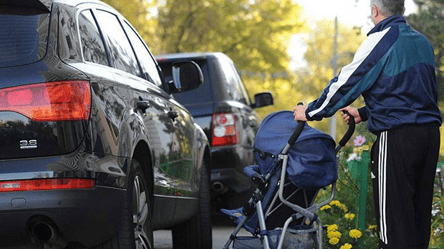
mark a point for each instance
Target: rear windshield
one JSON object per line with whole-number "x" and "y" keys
{"x": 202, "y": 94}
{"x": 23, "y": 35}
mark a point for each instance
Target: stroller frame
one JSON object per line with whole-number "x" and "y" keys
{"x": 307, "y": 213}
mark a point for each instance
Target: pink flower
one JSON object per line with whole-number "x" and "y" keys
{"x": 359, "y": 141}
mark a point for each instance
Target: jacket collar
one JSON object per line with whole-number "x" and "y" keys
{"x": 391, "y": 21}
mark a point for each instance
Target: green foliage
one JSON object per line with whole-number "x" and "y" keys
{"x": 436, "y": 237}
{"x": 313, "y": 79}
{"x": 342, "y": 213}
{"x": 141, "y": 14}
{"x": 255, "y": 34}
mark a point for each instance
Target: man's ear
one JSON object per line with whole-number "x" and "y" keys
{"x": 375, "y": 11}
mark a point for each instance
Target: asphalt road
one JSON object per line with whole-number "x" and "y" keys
{"x": 222, "y": 228}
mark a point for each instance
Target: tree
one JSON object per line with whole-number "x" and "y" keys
{"x": 319, "y": 56}
{"x": 255, "y": 34}
{"x": 142, "y": 15}
{"x": 281, "y": 86}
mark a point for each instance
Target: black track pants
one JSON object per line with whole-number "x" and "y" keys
{"x": 403, "y": 171}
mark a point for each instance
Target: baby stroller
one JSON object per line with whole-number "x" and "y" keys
{"x": 294, "y": 162}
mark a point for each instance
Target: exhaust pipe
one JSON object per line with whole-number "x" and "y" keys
{"x": 219, "y": 187}
{"x": 48, "y": 235}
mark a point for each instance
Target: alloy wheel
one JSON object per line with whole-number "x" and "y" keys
{"x": 140, "y": 214}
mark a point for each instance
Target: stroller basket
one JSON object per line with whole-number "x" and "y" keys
{"x": 294, "y": 162}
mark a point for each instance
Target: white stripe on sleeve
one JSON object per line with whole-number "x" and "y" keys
{"x": 361, "y": 54}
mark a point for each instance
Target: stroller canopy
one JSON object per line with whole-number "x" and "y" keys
{"x": 311, "y": 160}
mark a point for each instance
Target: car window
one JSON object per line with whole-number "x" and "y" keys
{"x": 23, "y": 35}
{"x": 229, "y": 73}
{"x": 145, "y": 59}
{"x": 120, "y": 51}
{"x": 69, "y": 47}
{"x": 92, "y": 43}
{"x": 245, "y": 97}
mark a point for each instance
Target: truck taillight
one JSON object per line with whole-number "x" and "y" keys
{"x": 46, "y": 184}
{"x": 224, "y": 130}
{"x": 52, "y": 101}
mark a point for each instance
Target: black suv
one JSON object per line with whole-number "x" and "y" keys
{"x": 222, "y": 107}
{"x": 95, "y": 152}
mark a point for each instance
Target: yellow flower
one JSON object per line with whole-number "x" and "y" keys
{"x": 325, "y": 207}
{"x": 343, "y": 207}
{"x": 349, "y": 216}
{"x": 372, "y": 227}
{"x": 339, "y": 205}
{"x": 355, "y": 233}
{"x": 334, "y": 241}
{"x": 331, "y": 228}
{"x": 346, "y": 246}
{"x": 335, "y": 203}
{"x": 334, "y": 234}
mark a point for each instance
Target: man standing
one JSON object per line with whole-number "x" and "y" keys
{"x": 394, "y": 71}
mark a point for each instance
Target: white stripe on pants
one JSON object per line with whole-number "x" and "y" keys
{"x": 382, "y": 184}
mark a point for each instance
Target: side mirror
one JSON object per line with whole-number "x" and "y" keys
{"x": 262, "y": 99}
{"x": 187, "y": 75}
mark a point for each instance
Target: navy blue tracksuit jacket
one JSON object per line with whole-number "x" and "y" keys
{"x": 394, "y": 70}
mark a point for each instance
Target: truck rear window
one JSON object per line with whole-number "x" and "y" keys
{"x": 23, "y": 35}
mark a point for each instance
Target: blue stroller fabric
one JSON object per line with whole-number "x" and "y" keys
{"x": 252, "y": 223}
{"x": 311, "y": 160}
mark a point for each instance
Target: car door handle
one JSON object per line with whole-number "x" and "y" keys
{"x": 173, "y": 114}
{"x": 143, "y": 105}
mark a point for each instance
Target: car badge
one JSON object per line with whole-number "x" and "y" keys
{"x": 28, "y": 144}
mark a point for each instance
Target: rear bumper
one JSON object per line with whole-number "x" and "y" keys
{"x": 227, "y": 165}
{"x": 235, "y": 157}
{"x": 85, "y": 216}
{"x": 230, "y": 178}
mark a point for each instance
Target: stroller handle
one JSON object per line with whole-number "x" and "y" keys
{"x": 350, "y": 130}
{"x": 296, "y": 133}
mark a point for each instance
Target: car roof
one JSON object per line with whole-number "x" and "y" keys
{"x": 193, "y": 55}
{"x": 46, "y": 4}
{"x": 76, "y": 2}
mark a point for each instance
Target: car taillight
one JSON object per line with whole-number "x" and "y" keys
{"x": 52, "y": 101}
{"x": 224, "y": 130}
{"x": 46, "y": 184}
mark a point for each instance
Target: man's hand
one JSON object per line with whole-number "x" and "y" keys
{"x": 353, "y": 111}
{"x": 299, "y": 112}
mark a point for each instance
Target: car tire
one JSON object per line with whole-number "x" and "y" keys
{"x": 196, "y": 233}
{"x": 135, "y": 231}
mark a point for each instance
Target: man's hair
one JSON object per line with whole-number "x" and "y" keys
{"x": 389, "y": 7}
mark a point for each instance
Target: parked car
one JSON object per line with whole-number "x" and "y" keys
{"x": 222, "y": 107}
{"x": 95, "y": 151}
